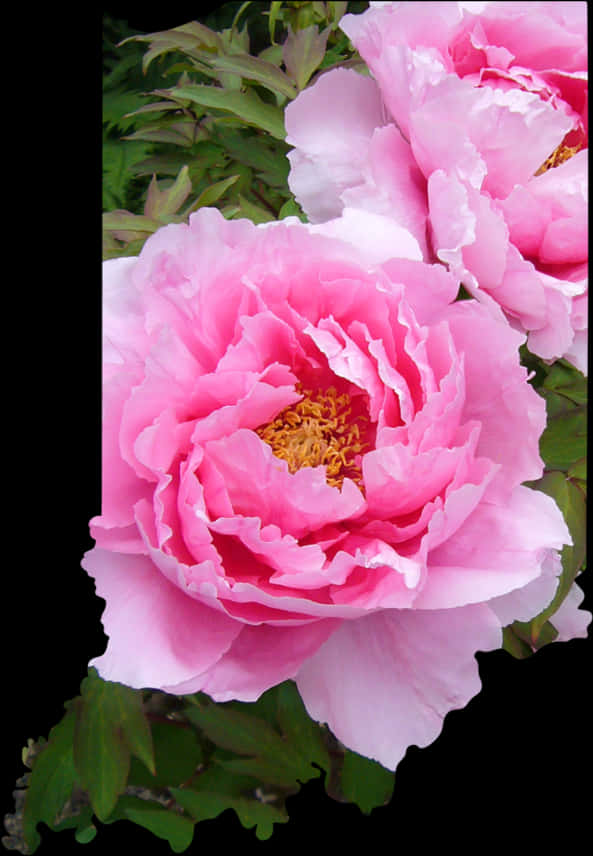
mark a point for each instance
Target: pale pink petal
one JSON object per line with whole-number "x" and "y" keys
{"x": 157, "y": 635}
{"x": 384, "y": 237}
{"x": 387, "y": 681}
{"x": 331, "y": 124}
{"x": 497, "y": 549}
{"x": 525, "y": 603}
{"x": 570, "y": 621}
{"x": 260, "y": 657}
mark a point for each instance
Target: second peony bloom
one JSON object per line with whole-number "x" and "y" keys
{"x": 312, "y": 469}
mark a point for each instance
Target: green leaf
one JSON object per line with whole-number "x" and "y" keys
{"x": 292, "y": 209}
{"x": 571, "y": 501}
{"x": 212, "y": 193}
{"x": 578, "y": 470}
{"x": 564, "y": 440}
{"x": 303, "y": 733}
{"x": 365, "y": 782}
{"x": 125, "y": 221}
{"x": 245, "y": 105}
{"x": 177, "y": 754}
{"x": 253, "y": 68}
{"x": 188, "y": 39}
{"x": 161, "y": 204}
{"x": 303, "y": 53}
{"x": 254, "y": 212}
{"x": 174, "y": 828}
{"x": 110, "y": 724}
{"x": 247, "y": 734}
{"x": 86, "y": 834}
{"x": 240, "y": 732}
{"x": 202, "y": 805}
{"x": 265, "y": 770}
{"x": 568, "y": 381}
{"x": 52, "y": 780}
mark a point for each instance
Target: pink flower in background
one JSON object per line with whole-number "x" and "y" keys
{"x": 472, "y": 135}
{"x": 312, "y": 468}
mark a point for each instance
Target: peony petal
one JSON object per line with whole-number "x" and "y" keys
{"x": 260, "y": 657}
{"x": 157, "y": 635}
{"x": 386, "y": 681}
{"x": 331, "y": 124}
{"x": 497, "y": 549}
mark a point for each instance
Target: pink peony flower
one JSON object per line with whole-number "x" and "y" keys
{"x": 473, "y": 135}
{"x": 312, "y": 467}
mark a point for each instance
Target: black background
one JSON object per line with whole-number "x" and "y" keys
{"x": 508, "y": 768}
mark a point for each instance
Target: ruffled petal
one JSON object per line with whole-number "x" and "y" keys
{"x": 386, "y": 681}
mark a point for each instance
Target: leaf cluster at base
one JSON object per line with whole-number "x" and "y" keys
{"x": 168, "y": 762}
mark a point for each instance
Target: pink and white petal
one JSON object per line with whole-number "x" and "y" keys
{"x": 331, "y": 124}
{"x": 384, "y": 238}
{"x": 386, "y": 681}
{"x": 498, "y": 548}
{"x": 394, "y": 185}
{"x": 124, "y": 335}
{"x": 260, "y": 657}
{"x": 570, "y": 621}
{"x": 525, "y": 603}
{"x": 157, "y": 634}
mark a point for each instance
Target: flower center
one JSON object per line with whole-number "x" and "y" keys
{"x": 560, "y": 154}
{"x": 321, "y": 429}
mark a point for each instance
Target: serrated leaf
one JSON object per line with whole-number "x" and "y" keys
{"x": 259, "y": 814}
{"x": 202, "y": 805}
{"x": 365, "y": 782}
{"x": 245, "y": 105}
{"x": 110, "y": 724}
{"x": 177, "y": 754}
{"x": 303, "y": 53}
{"x": 52, "y": 780}
{"x": 174, "y": 828}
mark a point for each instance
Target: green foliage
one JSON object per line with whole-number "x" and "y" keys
{"x": 52, "y": 781}
{"x": 365, "y": 782}
{"x": 110, "y": 725}
{"x": 564, "y": 441}
{"x": 563, "y": 449}
{"x": 166, "y": 763}
{"x": 221, "y": 115}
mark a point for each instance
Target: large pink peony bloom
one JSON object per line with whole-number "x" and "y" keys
{"x": 312, "y": 467}
{"x": 473, "y": 135}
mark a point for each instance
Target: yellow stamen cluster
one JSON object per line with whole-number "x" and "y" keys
{"x": 560, "y": 154}
{"x": 319, "y": 430}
